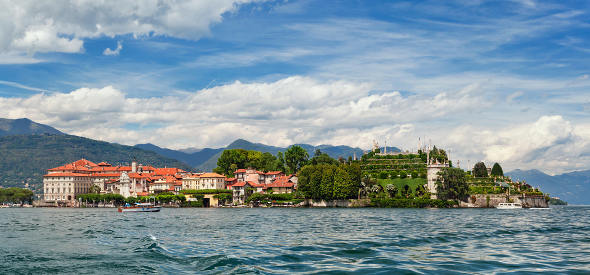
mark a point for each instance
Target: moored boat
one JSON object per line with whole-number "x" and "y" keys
{"x": 140, "y": 207}
{"x": 509, "y": 205}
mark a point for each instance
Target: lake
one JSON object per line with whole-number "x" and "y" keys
{"x": 295, "y": 240}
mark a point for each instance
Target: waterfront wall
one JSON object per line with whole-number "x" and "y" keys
{"x": 335, "y": 203}
{"x": 482, "y": 201}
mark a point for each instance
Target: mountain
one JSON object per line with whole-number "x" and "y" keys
{"x": 206, "y": 159}
{"x": 24, "y": 126}
{"x": 573, "y": 187}
{"x": 25, "y": 158}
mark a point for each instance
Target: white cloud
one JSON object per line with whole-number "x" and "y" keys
{"x": 290, "y": 110}
{"x": 305, "y": 110}
{"x": 552, "y": 144}
{"x": 60, "y": 26}
{"x": 116, "y": 51}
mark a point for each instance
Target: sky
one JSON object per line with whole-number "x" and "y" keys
{"x": 493, "y": 81}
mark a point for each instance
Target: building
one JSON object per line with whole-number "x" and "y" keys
{"x": 257, "y": 176}
{"x": 282, "y": 185}
{"x": 62, "y": 184}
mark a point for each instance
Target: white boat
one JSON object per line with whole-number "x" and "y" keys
{"x": 509, "y": 205}
{"x": 140, "y": 207}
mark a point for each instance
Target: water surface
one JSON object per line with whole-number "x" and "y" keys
{"x": 271, "y": 241}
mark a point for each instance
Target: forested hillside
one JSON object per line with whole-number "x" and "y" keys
{"x": 25, "y": 158}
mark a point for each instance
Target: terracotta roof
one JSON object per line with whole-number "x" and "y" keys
{"x": 284, "y": 181}
{"x": 138, "y": 175}
{"x": 143, "y": 194}
{"x": 212, "y": 175}
{"x": 103, "y": 164}
{"x": 274, "y": 172}
{"x": 67, "y": 175}
{"x": 111, "y": 168}
{"x": 240, "y": 183}
{"x": 167, "y": 171}
{"x": 106, "y": 175}
{"x": 241, "y": 171}
{"x": 253, "y": 184}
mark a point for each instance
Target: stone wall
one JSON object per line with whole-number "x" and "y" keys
{"x": 481, "y": 200}
{"x": 335, "y": 203}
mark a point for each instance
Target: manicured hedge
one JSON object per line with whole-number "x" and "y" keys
{"x": 411, "y": 203}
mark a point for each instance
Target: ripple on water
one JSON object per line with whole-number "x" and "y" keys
{"x": 269, "y": 241}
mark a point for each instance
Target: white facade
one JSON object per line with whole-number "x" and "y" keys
{"x": 65, "y": 186}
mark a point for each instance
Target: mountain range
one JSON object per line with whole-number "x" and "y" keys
{"x": 206, "y": 159}
{"x": 28, "y": 148}
{"x": 573, "y": 187}
{"x": 25, "y": 126}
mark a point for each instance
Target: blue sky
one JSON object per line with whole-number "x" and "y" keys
{"x": 503, "y": 81}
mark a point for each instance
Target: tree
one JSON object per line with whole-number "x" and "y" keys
{"x": 280, "y": 162}
{"x": 451, "y": 184}
{"x": 323, "y": 158}
{"x": 295, "y": 158}
{"x": 229, "y": 157}
{"x": 480, "y": 170}
{"x": 94, "y": 189}
{"x": 391, "y": 190}
{"x": 497, "y": 170}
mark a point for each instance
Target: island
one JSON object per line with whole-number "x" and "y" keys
{"x": 425, "y": 178}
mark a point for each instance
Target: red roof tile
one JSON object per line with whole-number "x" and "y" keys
{"x": 67, "y": 175}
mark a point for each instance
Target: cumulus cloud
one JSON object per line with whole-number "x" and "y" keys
{"x": 60, "y": 26}
{"x": 116, "y": 51}
{"x": 552, "y": 144}
{"x": 305, "y": 110}
{"x": 290, "y": 110}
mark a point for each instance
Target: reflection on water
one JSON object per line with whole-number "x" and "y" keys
{"x": 295, "y": 240}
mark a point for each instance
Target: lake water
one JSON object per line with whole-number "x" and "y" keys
{"x": 262, "y": 241}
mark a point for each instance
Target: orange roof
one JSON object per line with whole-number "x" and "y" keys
{"x": 274, "y": 172}
{"x": 67, "y": 175}
{"x": 103, "y": 164}
{"x": 143, "y": 194}
{"x": 253, "y": 184}
{"x": 284, "y": 181}
{"x": 167, "y": 171}
{"x": 111, "y": 168}
{"x": 241, "y": 171}
{"x": 138, "y": 175}
{"x": 106, "y": 175}
{"x": 212, "y": 175}
{"x": 240, "y": 183}
{"x": 230, "y": 179}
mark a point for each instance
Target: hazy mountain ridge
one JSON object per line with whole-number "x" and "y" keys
{"x": 27, "y": 157}
{"x": 573, "y": 187}
{"x": 206, "y": 159}
{"x": 24, "y": 126}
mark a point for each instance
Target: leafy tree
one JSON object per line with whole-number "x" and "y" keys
{"x": 383, "y": 174}
{"x": 322, "y": 158}
{"x": 480, "y": 170}
{"x": 229, "y": 157}
{"x": 451, "y": 184}
{"x": 327, "y": 184}
{"x": 497, "y": 170}
{"x": 94, "y": 189}
{"x": 403, "y": 174}
{"x": 295, "y": 158}
{"x": 391, "y": 190}
{"x": 280, "y": 163}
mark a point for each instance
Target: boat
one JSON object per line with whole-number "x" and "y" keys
{"x": 509, "y": 205}
{"x": 140, "y": 207}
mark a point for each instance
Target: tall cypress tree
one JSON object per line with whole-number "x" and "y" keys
{"x": 497, "y": 170}
{"x": 480, "y": 170}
